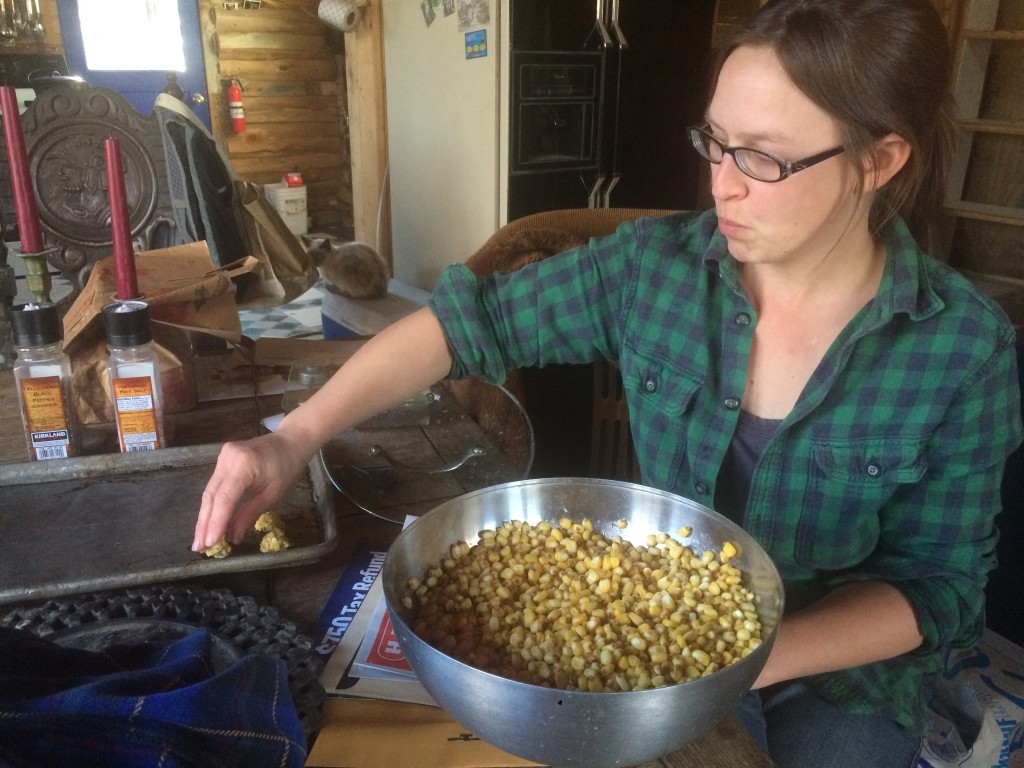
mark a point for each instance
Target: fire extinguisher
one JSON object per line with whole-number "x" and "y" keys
{"x": 235, "y": 108}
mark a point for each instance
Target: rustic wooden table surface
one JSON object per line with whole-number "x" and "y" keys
{"x": 300, "y": 592}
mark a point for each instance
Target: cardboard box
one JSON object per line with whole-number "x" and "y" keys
{"x": 385, "y": 734}
{"x": 185, "y": 294}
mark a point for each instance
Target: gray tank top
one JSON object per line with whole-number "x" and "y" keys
{"x": 748, "y": 443}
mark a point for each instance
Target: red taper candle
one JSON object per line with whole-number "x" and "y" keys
{"x": 21, "y": 178}
{"x": 124, "y": 256}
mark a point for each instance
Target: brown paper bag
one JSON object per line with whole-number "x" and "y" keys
{"x": 186, "y": 295}
{"x": 285, "y": 271}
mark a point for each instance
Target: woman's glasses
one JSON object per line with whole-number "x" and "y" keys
{"x": 753, "y": 162}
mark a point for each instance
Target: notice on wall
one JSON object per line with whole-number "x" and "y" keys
{"x": 476, "y": 44}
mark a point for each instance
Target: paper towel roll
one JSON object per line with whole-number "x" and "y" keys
{"x": 341, "y": 14}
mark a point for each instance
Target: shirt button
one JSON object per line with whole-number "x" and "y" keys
{"x": 742, "y": 319}
{"x": 701, "y": 488}
{"x": 651, "y": 385}
{"x": 731, "y": 403}
{"x": 874, "y": 470}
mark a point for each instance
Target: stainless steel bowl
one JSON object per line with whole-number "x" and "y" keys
{"x": 574, "y": 728}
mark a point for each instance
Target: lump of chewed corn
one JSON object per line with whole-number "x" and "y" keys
{"x": 274, "y": 537}
{"x": 218, "y": 550}
{"x": 560, "y": 605}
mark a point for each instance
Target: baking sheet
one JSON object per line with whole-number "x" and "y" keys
{"x": 118, "y": 520}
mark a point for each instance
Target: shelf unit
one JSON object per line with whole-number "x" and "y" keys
{"x": 978, "y": 32}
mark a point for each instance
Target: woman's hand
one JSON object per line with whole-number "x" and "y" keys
{"x": 404, "y": 358}
{"x": 249, "y": 477}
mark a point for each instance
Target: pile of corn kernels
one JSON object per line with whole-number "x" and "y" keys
{"x": 563, "y": 606}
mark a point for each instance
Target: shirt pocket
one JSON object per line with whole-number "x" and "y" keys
{"x": 660, "y": 396}
{"x": 850, "y": 483}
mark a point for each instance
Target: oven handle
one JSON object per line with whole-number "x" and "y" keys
{"x": 594, "y": 198}
{"x": 608, "y": 190}
{"x": 599, "y": 25}
{"x": 615, "y": 26}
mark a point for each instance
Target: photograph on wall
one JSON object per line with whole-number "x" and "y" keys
{"x": 428, "y": 12}
{"x": 474, "y": 14}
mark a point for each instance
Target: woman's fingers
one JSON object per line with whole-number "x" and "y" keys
{"x": 248, "y": 479}
{"x": 232, "y": 480}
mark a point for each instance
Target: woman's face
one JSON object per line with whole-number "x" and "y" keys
{"x": 803, "y": 217}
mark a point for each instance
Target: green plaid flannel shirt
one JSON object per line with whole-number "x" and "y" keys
{"x": 889, "y": 465}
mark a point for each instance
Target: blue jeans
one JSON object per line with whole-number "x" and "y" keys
{"x": 800, "y": 729}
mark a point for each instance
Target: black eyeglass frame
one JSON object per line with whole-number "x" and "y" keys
{"x": 786, "y": 168}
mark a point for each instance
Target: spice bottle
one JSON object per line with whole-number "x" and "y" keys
{"x": 134, "y": 376}
{"x": 42, "y": 373}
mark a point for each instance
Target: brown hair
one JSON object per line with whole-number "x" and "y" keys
{"x": 877, "y": 67}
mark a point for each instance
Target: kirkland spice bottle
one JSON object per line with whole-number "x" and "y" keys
{"x": 42, "y": 373}
{"x": 134, "y": 376}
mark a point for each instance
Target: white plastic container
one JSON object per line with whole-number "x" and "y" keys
{"x": 290, "y": 202}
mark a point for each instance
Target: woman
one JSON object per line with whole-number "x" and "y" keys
{"x": 791, "y": 358}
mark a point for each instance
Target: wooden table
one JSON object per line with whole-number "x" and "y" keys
{"x": 300, "y": 592}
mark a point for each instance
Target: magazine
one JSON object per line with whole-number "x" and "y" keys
{"x": 349, "y": 594}
{"x": 366, "y": 660}
{"x": 338, "y": 677}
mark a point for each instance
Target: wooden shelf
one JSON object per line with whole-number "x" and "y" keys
{"x": 999, "y": 127}
{"x": 994, "y": 214}
{"x": 999, "y": 35}
{"x": 991, "y": 165}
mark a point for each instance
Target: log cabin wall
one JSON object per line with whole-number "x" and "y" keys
{"x": 292, "y": 72}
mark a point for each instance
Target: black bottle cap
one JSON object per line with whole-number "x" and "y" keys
{"x": 36, "y": 325}
{"x": 127, "y": 323}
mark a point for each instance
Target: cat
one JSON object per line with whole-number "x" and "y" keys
{"x": 353, "y": 270}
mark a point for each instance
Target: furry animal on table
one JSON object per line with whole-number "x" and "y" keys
{"x": 488, "y": 406}
{"x": 353, "y": 270}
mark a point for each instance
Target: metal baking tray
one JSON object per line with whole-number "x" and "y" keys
{"x": 120, "y": 520}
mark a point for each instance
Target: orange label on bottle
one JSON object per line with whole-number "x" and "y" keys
{"x": 136, "y": 413}
{"x": 45, "y": 418}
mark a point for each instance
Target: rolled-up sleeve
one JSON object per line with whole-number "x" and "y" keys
{"x": 565, "y": 309}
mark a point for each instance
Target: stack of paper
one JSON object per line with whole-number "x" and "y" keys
{"x": 364, "y": 659}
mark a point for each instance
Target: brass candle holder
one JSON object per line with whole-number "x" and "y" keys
{"x": 37, "y": 274}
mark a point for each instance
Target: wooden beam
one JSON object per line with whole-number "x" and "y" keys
{"x": 364, "y": 69}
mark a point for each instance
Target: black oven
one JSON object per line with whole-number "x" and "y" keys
{"x": 555, "y": 111}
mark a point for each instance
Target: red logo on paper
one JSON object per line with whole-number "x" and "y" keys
{"x": 385, "y": 651}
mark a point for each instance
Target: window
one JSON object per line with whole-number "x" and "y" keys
{"x": 132, "y": 35}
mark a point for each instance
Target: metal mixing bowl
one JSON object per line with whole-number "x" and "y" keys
{"x": 575, "y": 728}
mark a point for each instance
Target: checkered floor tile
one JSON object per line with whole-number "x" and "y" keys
{"x": 299, "y": 319}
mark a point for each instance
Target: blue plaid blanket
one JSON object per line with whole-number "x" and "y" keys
{"x": 143, "y": 704}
